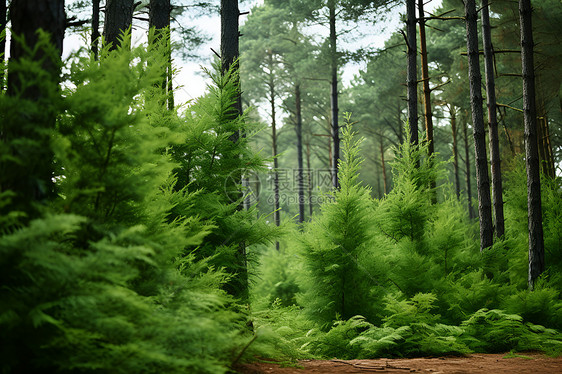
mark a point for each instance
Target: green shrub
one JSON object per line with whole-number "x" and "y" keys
{"x": 342, "y": 278}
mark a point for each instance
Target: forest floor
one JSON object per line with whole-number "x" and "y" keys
{"x": 524, "y": 363}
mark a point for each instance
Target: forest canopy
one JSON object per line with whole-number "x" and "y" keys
{"x": 287, "y": 212}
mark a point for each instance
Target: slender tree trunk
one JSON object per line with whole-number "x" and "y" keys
{"x": 30, "y": 177}
{"x": 159, "y": 19}
{"x": 376, "y": 167}
{"x": 309, "y": 179}
{"x": 383, "y": 164}
{"x": 229, "y": 56}
{"x": 453, "y": 113}
{"x": 300, "y": 179}
{"x": 475, "y": 79}
{"x": 95, "y": 27}
{"x": 412, "y": 72}
{"x": 399, "y": 121}
{"x": 118, "y": 19}
{"x": 230, "y": 34}
{"x": 495, "y": 161}
{"x": 171, "y": 79}
{"x": 536, "y": 243}
{"x": 425, "y": 78}
{"x": 330, "y": 153}
{"x": 467, "y": 167}
{"x": 334, "y": 93}
{"x": 272, "y": 95}
{"x": 2, "y": 41}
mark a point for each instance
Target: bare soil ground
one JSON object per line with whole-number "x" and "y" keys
{"x": 531, "y": 363}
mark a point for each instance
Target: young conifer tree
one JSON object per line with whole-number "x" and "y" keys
{"x": 337, "y": 247}
{"x": 210, "y": 165}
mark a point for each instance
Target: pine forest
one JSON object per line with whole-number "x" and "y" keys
{"x": 360, "y": 179}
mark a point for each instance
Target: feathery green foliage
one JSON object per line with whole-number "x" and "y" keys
{"x": 431, "y": 285}
{"x": 109, "y": 280}
{"x": 343, "y": 277}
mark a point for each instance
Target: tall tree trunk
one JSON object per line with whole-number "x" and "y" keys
{"x": 229, "y": 56}
{"x": 118, "y": 19}
{"x": 467, "y": 167}
{"x": 2, "y": 41}
{"x": 159, "y": 19}
{"x": 425, "y": 78}
{"x": 159, "y": 14}
{"x": 300, "y": 171}
{"x": 272, "y": 95}
{"x": 453, "y": 114}
{"x": 376, "y": 169}
{"x": 30, "y": 177}
{"x": 309, "y": 178}
{"x": 170, "y": 78}
{"x": 412, "y": 72}
{"x": 475, "y": 79}
{"x": 495, "y": 161}
{"x": 383, "y": 165}
{"x": 536, "y": 243}
{"x": 95, "y": 27}
{"x": 230, "y": 34}
{"x": 334, "y": 93}
{"x": 399, "y": 121}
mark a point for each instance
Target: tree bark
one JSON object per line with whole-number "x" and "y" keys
{"x": 467, "y": 167}
{"x": 475, "y": 80}
{"x": 31, "y": 177}
{"x": 159, "y": 19}
{"x": 230, "y": 51}
{"x": 229, "y": 61}
{"x": 453, "y": 114}
{"x": 309, "y": 179}
{"x": 334, "y": 93}
{"x": 399, "y": 121}
{"x": 536, "y": 242}
{"x": 118, "y": 20}
{"x": 95, "y": 27}
{"x": 159, "y": 14}
{"x": 495, "y": 160}
{"x": 300, "y": 170}
{"x": 425, "y": 78}
{"x": 412, "y": 72}
{"x": 272, "y": 95}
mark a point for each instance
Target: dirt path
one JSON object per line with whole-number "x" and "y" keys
{"x": 532, "y": 363}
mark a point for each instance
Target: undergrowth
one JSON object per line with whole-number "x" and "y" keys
{"x": 404, "y": 277}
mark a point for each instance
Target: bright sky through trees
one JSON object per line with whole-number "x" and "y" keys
{"x": 190, "y": 78}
